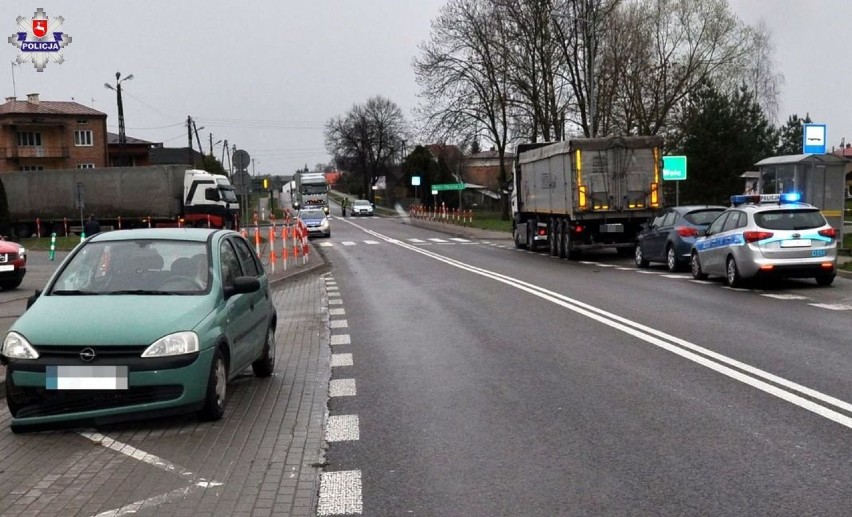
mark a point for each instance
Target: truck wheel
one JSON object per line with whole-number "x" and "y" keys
{"x": 531, "y": 226}
{"x": 516, "y": 236}
{"x": 560, "y": 240}
{"x": 552, "y": 239}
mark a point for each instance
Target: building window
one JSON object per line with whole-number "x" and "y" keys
{"x": 82, "y": 121}
{"x": 29, "y": 139}
{"x": 83, "y": 138}
{"x": 85, "y": 165}
{"x": 32, "y": 167}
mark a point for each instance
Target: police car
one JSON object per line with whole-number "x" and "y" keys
{"x": 767, "y": 235}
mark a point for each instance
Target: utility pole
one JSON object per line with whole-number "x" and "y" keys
{"x": 122, "y": 137}
{"x": 197, "y": 139}
{"x": 211, "y": 145}
{"x": 189, "y": 138}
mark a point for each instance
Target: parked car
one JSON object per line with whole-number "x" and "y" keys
{"x": 362, "y": 207}
{"x": 670, "y": 236}
{"x": 316, "y": 221}
{"x": 769, "y": 235}
{"x": 140, "y": 323}
{"x": 13, "y": 264}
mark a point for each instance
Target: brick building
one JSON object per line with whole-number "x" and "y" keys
{"x": 42, "y": 135}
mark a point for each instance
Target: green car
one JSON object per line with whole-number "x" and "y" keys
{"x": 140, "y": 323}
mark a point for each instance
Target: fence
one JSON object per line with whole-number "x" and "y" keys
{"x": 442, "y": 214}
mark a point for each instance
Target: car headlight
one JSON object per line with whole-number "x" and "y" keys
{"x": 16, "y": 346}
{"x": 22, "y": 251}
{"x": 178, "y": 343}
{"x": 324, "y": 224}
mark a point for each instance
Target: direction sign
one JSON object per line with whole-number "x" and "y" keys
{"x": 674, "y": 168}
{"x": 448, "y": 186}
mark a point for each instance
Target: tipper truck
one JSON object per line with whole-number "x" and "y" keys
{"x": 311, "y": 190}
{"x": 57, "y": 201}
{"x": 585, "y": 193}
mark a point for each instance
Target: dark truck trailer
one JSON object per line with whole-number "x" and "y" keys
{"x": 586, "y": 193}
{"x": 48, "y": 201}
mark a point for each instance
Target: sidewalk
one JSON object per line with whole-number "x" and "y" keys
{"x": 316, "y": 260}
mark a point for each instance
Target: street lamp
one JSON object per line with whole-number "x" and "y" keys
{"x": 122, "y": 137}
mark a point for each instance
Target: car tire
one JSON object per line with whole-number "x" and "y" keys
{"x": 265, "y": 364}
{"x": 695, "y": 265}
{"x": 639, "y": 257}
{"x": 8, "y": 285}
{"x": 217, "y": 388}
{"x": 672, "y": 263}
{"x": 825, "y": 280}
{"x": 732, "y": 273}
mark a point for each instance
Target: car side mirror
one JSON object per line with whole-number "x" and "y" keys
{"x": 242, "y": 285}
{"x": 32, "y": 299}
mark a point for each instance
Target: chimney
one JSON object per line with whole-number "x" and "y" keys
{"x": 32, "y": 98}
{"x": 10, "y": 99}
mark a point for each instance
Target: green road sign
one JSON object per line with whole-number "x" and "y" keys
{"x": 448, "y": 186}
{"x": 674, "y": 168}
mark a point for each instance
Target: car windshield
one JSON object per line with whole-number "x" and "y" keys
{"x": 361, "y": 202}
{"x": 149, "y": 267}
{"x": 702, "y": 217}
{"x": 789, "y": 219}
{"x": 312, "y": 214}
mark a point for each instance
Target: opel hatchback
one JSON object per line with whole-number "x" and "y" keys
{"x": 767, "y": 236}
{"x": 138, "y": 323}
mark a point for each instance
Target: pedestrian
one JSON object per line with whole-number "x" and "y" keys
{"x": 92, "y": 226}
{"x": 343, "y": 206}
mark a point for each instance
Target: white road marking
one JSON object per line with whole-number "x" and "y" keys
{"x": 781, "y": 388}
{"x": 833, "y": 306}
{"x": 785, "y": 296}
{"x": 625, "y": 268}
{"x": 332, "y": 288}
{"x": 459, "y": 239}
{"x": 436, "y": 239}
{"x": 337, "y": 312}
{"x": 342, "y": 388}
{"x": 340, "y": 493}
{"x": 348, "y": 243}
{"x": 678, "y": 277}
{"x": 334, "y": 294}
{"x": 416, "y": 241}
{"x": 644, "y": 272}
{"x": 326, "y": 244}
{"x": 342, "y": 428}
{"x": 341, "y": 360}
{"x": 336, "y": 301}
{"x": 155, "y": 461}
{"x": 340, "y": 339}
{"x": 371, "y": 242}
{"x": 705, "y": 282}
{"x": 338, "y": 324}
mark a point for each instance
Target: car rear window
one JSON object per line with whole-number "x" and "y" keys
{"x": 699, "y": 217}
{"x": 789, "y": 219}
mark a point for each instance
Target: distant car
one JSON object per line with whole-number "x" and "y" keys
{"x": 362, "y": 207}
{"x": 670, "y": 236}
{"x": 137, "y": 324}
{"x": 769, "y": 235}
{"x": 13, "y": 264}
{"x": 317, "y": 222}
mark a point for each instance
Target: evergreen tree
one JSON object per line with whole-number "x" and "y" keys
{"x": 722, "y": 137}
{"x": 791, "y": 135}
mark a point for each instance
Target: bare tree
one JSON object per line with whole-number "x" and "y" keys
{"x": 463, "y": 77}
{"x": 366, "y": 139}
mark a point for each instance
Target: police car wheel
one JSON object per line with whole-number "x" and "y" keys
{"x": 732, "y": 273}
{"x": 696, "y": 267}
{"x": 824, "y": 280}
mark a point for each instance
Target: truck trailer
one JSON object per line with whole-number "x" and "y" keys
{"x": 586, "y": 193}
{"x": 57, "y": 201}
{"x": 310, "y": 190}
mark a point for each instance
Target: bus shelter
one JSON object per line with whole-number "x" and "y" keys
{"x": 819, "y": 178}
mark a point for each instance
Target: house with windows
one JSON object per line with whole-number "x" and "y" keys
{"x": 44, "y": 135}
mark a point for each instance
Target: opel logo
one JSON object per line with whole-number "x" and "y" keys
{"x": 797, "y": 235}
{"x": 87, "y": 355}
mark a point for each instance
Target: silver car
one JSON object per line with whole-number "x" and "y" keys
{"x": 768, "y": 235}
{"x": 362, "y": 207}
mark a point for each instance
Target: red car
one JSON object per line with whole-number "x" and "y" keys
{"x": 13, "y": 264}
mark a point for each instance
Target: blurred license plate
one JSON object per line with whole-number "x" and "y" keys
{"x": 86, "y": 378}
{"x": 612, "y": 228}
{"x": 7, "y": 267}
{"x": 796, "y": 243}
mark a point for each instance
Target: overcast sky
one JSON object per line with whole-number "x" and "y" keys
{"x": 267, "y": 75}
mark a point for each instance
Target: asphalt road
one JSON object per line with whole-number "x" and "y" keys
{"x": 492, "y": 381}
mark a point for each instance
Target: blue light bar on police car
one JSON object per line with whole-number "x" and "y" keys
{"x": 789, "y": 197}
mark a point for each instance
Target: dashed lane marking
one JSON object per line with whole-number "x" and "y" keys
{"x": 371, "y": 242}
{"x": 336, "y": 301}
{"x": 342, "y": 428}
{"x": 348, "y": 243}
{"x": 436, "y": 239}
{"x": 326, "y": 244}
{"x": 342, "y": 388}
{"x": 338, "y": 324}
{"x": 341, "y": 360}
{"x": 786, "y": 296}
{"x": 340, "y": 493}
{"x": 337, "y": 312}
{"x": 833, "y": 306}
{"x": 340, "y": 339}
